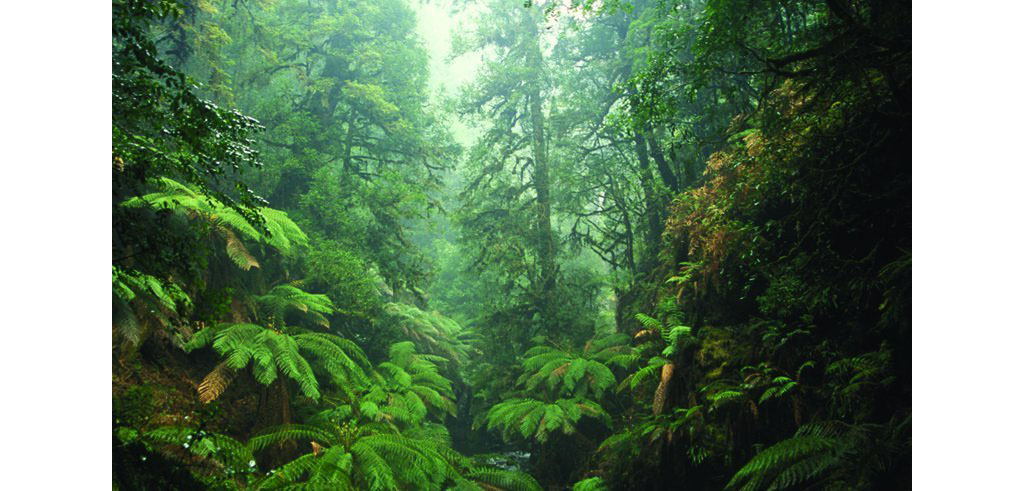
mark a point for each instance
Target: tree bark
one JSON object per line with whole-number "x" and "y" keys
{"x": 541, "y": 175}
{"x": 664, "y": 170}
{"x": 652, "y": 205}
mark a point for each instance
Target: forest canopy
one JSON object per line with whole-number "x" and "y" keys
{"x": 639, "y": 245}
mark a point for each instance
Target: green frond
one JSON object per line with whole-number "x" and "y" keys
{"x": 335, "y": 353}
{"x": 616, "y": 440}
{"x": 676, "y": 339}
{"x": 292, "y": 432}
{"x": 599, "y": 378}
{"x": 590, "y": 484}
{"x": 503, "y": 479}
{"x": 214, "y": 446}
{"x": 787, "y": 463}
{"x": 203, "y": 337}
{"x": 536, "y": 420}
{"x": 272, "y": 353}
{"x": 285, "y": 235}
{"x": 224, "y": 217}
{"x": 374, "y": 468}
{"x": 624, "y": 360}
{"x": 293, "y": 365}
{"x": 608, "y": 344}
{"x": 575, "y": 371}
{"x": 725, "y": 397}
{"x": 285, "y": 298}
{"x": 224, "y": 449}
{"x": 430, "y": 331}
{"x": 176, "y": 435}
{"x": 370, "y": 409}
{"x": 130, "y": 285}
{"x": 649, "y": 372}
{"x": 289, "y": 473}
{"x": 335, "y": 468}
{"x": 395, "y": 373}
{"x": 529, "y": 423}
{"x": 648, "y": 322}
{"x": 580, "y": 375}
{"x": 401, "y": 353}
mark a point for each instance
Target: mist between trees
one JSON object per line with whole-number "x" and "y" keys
{"x": 500, "y": 245}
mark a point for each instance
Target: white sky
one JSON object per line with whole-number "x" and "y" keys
{"x": 435, "y": 21}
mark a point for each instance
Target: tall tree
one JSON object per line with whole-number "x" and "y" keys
{"x": 508, "y": 201}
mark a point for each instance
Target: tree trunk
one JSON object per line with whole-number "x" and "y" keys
{"x": 667, "y": 175}
{"x": 541, "y": 176}
{"x": 652, "y": 205}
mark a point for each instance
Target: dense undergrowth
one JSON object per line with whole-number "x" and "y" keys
{"x": 676, "y": 254}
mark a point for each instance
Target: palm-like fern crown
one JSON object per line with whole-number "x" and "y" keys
{"x": 376, "y": 456}
{"x": 533, "y": 419}
{"x": 232, "y": 456}
{"x": 590, "y": 484}
{"x": 410, "y": 387}
{"x": 153, "y": 300}
{"x": 284, "y": 234}
{"x": 272, "y": 352}
{"x": 674, "y": 338}
{"x": 671, "y": 341}
{"x": 284, "y": 298}
{"x": 584, "y": 374}
{"x": 431, "y": 331}
{"x": 350, "y": 456}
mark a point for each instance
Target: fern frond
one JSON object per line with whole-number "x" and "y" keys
{"x": 661, "y": 393}
{"x": 215, "y": 383}
{"x": 787, "y": 463}
{"x": 289, "y": 362}
{"x": 374, "y": 468}
{"x": 725, "y": 397}
{"x": 237, "y": 251}
{"x": 535, "y": 419}
{"x": 284, "y": 298}
{"x": 649, "y": 322}
{"x": 503, "y": 479}
{"x": 590, "y": 484}
{"x": 336, "y": 355}
{"x": 654, "y": 365}
{"x": 292, "y": 432}
{"x": 288, "y": 473}
{"x": 285, "y": 235}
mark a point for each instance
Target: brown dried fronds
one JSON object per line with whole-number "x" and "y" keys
{"x": 215, "y": 383}
{"x": 662, "y": 392}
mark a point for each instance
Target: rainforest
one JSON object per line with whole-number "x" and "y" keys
{"x": 511, "y": 245}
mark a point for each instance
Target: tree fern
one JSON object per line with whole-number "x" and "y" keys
{"x": 501, "y": 479}
{"x": 566, "y": 373}
{"x": 284, "y": 298}
{"x": 410, "y": 386}
{"x": 590, "y": 484}
{"x": 787, "y": 463}
{"x": 826, "y": 451}
{"x": 430, "y": 331}
{"x": 231, "y": 456}
{"x": 272, "y": 353}
{"x": 341, "y": 358}
{"x": 373, "y": 456}
{"x": 533, "y": 419}
{"x": 284, "y": 234}
{"x": 140, "y": 299}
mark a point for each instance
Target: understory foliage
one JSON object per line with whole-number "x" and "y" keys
{"x": 239, "y": 358}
